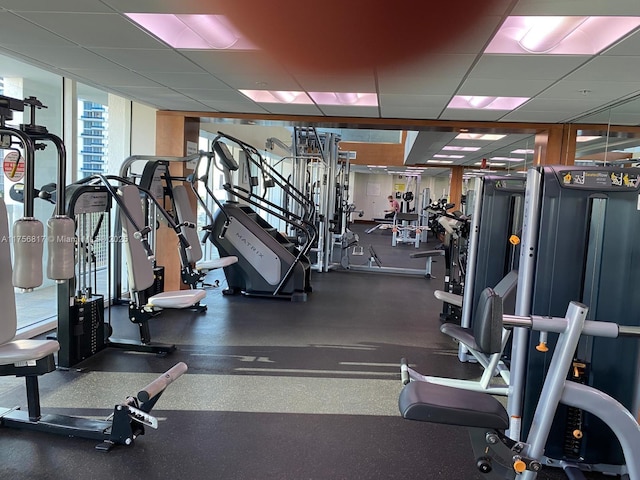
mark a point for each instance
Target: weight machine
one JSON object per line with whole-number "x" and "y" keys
{"x": 501, "y": 457}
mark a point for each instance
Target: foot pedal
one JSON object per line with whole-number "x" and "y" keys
{"x": 358, "y": 251}
{"x": 142, "y": 417}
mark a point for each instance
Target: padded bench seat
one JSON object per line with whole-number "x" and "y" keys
{"x": 216, "y": 263}
{"x": 430, "y": 402}
{"x": 18, "y": 351}
{"x": 177, "y": 299}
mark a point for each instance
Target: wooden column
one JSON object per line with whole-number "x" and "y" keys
{"x": 455, "y": 186}
{"x": 172, "y": 135}
{"x": 555, "y": 146}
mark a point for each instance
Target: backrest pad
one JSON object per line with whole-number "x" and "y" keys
{"x": 487, "y": 323}
{"x": 186, "y": 214}
{"x": 8, "y": 320}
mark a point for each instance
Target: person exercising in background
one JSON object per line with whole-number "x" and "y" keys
{"x": 394, "y": 207}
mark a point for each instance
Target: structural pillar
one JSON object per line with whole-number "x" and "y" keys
{"x": 555, "y": 145}
{"x": 455, "y": 186}
{"x": 172, "y": 134}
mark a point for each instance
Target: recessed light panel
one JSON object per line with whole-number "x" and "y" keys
{"x": 560, "y": 35}
{"x": 471, "y": 102}
{"x": 278, "y": 96}
{"x": 202, "y": 32}
{"x": 346, "y": 99}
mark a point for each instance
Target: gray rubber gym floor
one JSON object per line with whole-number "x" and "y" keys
{"x": 275, "y": 390}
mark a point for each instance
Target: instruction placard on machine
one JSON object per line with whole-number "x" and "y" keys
{"x": 92, "y": 202}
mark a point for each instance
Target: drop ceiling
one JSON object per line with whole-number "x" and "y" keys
{"x": 93, "y": 42}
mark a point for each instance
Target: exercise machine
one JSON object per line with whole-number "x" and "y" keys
{"x": 501, "y": 457}
{"x": 32, "y": 358}
{"x": 269, "y": 263}
{"x": 579, "y": 241}
{"x": 153, "y": 173}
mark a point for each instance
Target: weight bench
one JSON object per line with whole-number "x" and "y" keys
{"x": 32, "y": 358}
{"x": 143, "y": 305}
{"x": 186, "y": 215}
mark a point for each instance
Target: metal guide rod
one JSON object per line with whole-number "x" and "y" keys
{"x": 526, "y": 271}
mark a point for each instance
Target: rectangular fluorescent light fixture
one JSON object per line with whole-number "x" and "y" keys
{"x": 523, "y": 151}
{"x": 560, "y": 35}
{"x": 461, "y": 149}
{"x": 444, "y": 162}
{"x": 487, "y": 137}
{"x": 278, "y": 96}
{"x": 345, "y": 99}
{"x": 471, "y": 102}
{"x": 198, "y": 32}
{"x": 376, "y": 166}
{"x": 508, "y": 159}
{"x": 586, "y": 138}
{"x": 442, "y": 155}
{"x": 491, "y": 164}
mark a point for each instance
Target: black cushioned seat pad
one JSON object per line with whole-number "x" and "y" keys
{"x": 430, "y": 402}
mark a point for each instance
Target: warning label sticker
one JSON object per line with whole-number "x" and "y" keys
{"x": 13, "y": 166}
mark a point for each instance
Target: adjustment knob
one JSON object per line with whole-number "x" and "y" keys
{"x": 484, "y": 464}
{"x": 519, "y": 466}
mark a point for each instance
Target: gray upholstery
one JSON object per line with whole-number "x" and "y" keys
{"x": 430, "y": 402}
{"x": 16, "y": 352}
{"x": 487, "y": 322}
{"x": 20, "y": 351}
{"x": 486, "y": 334}
{"x": 186, "y": 214}
{"x": 139, "y": 266}
{"x": 8, "y": 322}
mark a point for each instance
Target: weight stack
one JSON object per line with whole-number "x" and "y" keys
{"x": 82, "y": 334}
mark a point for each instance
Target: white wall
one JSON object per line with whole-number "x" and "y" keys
{"x": 143, "y": 130}
{"x": 370, "y": 192}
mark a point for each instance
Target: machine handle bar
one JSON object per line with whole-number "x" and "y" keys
{"x": 559, "y": 325}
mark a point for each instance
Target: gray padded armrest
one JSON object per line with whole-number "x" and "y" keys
{"x": 447, "y": 297}
{"x": 430, "y": 402}
{"x": 461, "y": 334}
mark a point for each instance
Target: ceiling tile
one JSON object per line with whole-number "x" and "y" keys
{"x": 189, "y": 80}
{"x": 114, "y": 77}
{"x": 146, "y": 60}
{"x": 472, "y": 114}
{"x": 107, "y": 30}
{"x": 62, "y": 57}
{"x": 609, "y": 68}
{"x": 580, "y": 7}
{"x": 91, "y": 6}
{"x": 509, "y": 68}
{"x": 410, "y": 112}
{"x": 164, "y": 6}
{"x": 14, "y": 29}
{"x": 337, "y": 83}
